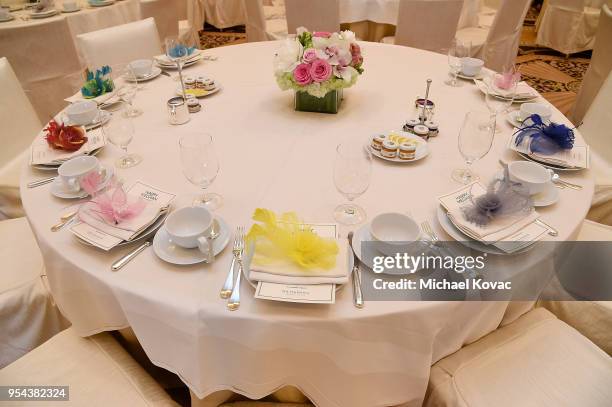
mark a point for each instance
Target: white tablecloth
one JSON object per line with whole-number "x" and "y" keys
{"x": 276, "y": 158}
{"x": 44, "y": 55}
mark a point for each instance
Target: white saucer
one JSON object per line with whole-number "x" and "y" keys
{"x": 101, "y": 3}
{"x": 421, "y": 152}
{"x": 166, "y": 250}
{"x": 44, "y": 14}
{"x": 203, "y": 92}
{"x": 54, "y": 167}
{"x": 477, "y": 76}
{"x": 58, "y": 190}
{"x": 101, "y": 118}
{"x": 549, "y": 196}
{"x": 155, "y": 72}
{"x": 71, "y": 11}
{"x": 10, "y": 17}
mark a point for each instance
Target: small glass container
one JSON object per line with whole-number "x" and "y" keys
{"x": 407, "y": 151}
{"x": 429, "y": 108}
{"x": 389, "y": 149}
{"x": 378, "y": 141}
{"x": 421, "y": 130}
{"x": 433, "y": 128}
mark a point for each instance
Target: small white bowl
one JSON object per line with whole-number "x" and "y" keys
{"x": 527, "y": 109}
{"x": 394, "y": 229}
{"x": 141, "y": 67}
{"x": 82, "y": 112}
{"x": 471, "y": 66}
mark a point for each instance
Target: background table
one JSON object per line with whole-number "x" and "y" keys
{"x": 276, "y": 158}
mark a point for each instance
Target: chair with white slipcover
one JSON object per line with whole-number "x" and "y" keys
{"x": 498, "y": 45}
{"x": 599, "y": 68}
{"x": 536, "y": 360}
{"x": 120, "y": 44}
{"x": 315, "y": 15}
{"x": 20, "y": 127}
{"x": 97, "y": 370}
{"x": 258, "y": 28}
{"x": 568, "y": 26}
{"x": 166, "y": 16}
{"x": 426, "y": 24}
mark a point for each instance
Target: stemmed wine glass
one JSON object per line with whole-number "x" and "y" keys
{"x": 120, "y": 131}
{"x": 200, "y": 166}
{"x": 475, "y": 140}
{"x": 177, "y": 51}
{"x": 127, "y": 89}
{"x": 352, "y": 170}
{"x": 501, "y": 91}
{"x": 457, "y": 51}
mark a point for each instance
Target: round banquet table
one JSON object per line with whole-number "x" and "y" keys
{"x": 276, "y": 158}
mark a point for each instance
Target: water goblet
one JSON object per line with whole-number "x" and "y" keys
{"x": 200, "y": 166}
{"x": 120, "y": 131}
{"x": 475, "y": 140}
{"x": 501, "y": 91}
{"x": 455, "y": 53}
{"x": 352, "y": 171}
{"x": 177, "y": 51}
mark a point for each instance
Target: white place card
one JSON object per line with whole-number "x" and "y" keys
{"x": 312, "y": 293}
{"x": 41, "y": 153}
{"x": 302, "y": 293}
{"x": 523, "y": 238}
{"x": 106, "y": 240}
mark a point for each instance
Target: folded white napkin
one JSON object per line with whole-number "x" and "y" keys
{"x": 577, "y": 157}
{"x": 523, "y": 90}
{"x": 41, "y": 153}
{"x": 497, "y": 229}
{"x": 108, "y": 98}
{"x": 290, "y": 273}
{"x": 165, "y": 60}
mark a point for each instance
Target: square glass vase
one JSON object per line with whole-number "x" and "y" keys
{"x": 330, "y": 103}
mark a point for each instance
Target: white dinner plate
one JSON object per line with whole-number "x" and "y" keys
{"x": 247, "y": 264}
{"x": 421, "y": 152}
{"x": 199, "y": 93}
{"x": 143, "y": 235}
{"x": 54, "y": 167}
{"x": 58, "y": 190}
{"x": 155, "y": 72}
{"x": 166, "y": 250}
{"x": 454, "y": 232}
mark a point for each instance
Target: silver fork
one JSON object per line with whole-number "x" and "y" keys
{"x": 435, "y": 240}
{"x": 234, "y": 301}
{"x": 226, "y": 291}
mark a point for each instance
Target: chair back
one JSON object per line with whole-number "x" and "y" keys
{"x": 315, "y": 15}
{"x": 469, "y": 14}
{"x": 601, "y": 64}
{"x": 166, "y": 15}
{"x": 255, "y": 21}
{"x": 120, "y": 44}
{"x": 427, "y": 24}
{"x": 20, "y": 123}
{"x": 502, "y": 42}
{"x": 572, "y": 5}
{"x": 596, "y": 125}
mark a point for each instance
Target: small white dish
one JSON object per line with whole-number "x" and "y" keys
{"x": 72, "y": 10}
{"x": 155, "y": 72}
{"x": 199, "y": 93}
{"x": 172, "y": 253}
{"x": 421, "y": 152}
{"x": 44, "y": 14}
{"x": 463, "y": 76}
{"x": 394, "y": 232}
{"x": 58, "y": 190}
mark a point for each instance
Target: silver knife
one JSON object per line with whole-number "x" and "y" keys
{"x": 357, "y": 293}
{"x": 128, "y": 257}
{"x": 40, "y": 182}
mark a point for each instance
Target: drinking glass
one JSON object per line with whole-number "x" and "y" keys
{"x": 120, "y": 131}
{"x": 200, "y": 166}
{"x": 475, "y": 140}
{"x": 499, "y": 104}
{"x": 456, "y": 52}
{"x": 352, "y": 170}
{"x": 177, "y": 51}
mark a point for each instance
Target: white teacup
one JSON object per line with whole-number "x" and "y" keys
{"x": 532, "y": 175}
{"x": 82, "y": 112}
{"x": 189, "y": 227}
{"x": 394, "y": 232}
{"x": 70, "y": 5}
{"x": 527, "y": 109}
{"x": 471, "y": 66}
{"x": 141, "y": 67}
{"x": 72, "y": 171}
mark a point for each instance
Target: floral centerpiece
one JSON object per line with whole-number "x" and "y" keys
{"x": 317, "y": 66}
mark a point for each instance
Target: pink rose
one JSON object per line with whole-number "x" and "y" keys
{"x": 320, "y": 70}
{"x": 301, "y": 74}
{"x": 322, "y": 34}
{"x": 356, "y": 54}
{"x": 309, "y": 55}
